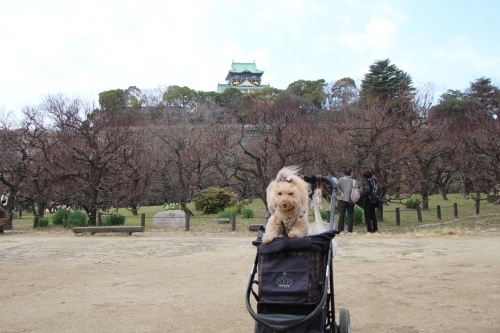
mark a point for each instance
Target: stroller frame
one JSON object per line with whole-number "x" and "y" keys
{"x": 286, "y": 322}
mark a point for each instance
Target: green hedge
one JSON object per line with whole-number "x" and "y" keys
{"x": 113, "y": 219}
{"x": 77, "y": 218}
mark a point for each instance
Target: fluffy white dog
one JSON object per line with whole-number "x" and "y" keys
{"x": 288, "y": 202}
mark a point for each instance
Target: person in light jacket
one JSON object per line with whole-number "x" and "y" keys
{"x": 345, "y": 185}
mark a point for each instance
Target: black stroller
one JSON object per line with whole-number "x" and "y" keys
{"x": 295, "y": 280}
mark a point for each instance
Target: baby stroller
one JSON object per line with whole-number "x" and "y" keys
{"x": 295, "y": 279}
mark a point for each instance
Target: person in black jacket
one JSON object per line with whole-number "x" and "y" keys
{"x": 367, "y": 205}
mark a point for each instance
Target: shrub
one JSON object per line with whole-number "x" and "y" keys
{"x": 57, "y": 218}
{"x": 241, "y": 204}
{"x": 412, "y": 202}
{"x": 226, "y": 213}
{"x": 357, "y": 216}
{"x": 113, "y": 219}
{"x": 43, "y": 221}
{"x": 77, "y": 218}
{"x": 492, "y": 199}
{"x": 247, "y": 212}
{"x": 323, "y": 214}
{"x": 172, "y": 206}
{"x": 213, "y": 200}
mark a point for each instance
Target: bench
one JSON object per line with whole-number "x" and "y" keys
{"x": 5, "y": 227}
{"x": 254, "y": 227}
{"x": 125, "y": 230}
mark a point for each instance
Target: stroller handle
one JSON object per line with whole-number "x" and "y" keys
{"x": 314, "y": 179}
{"x": 318, "y": 180}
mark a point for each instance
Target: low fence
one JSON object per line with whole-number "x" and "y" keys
{"x": 415, "y": 216}
{"x": 439, "y": 211}
{"x": 188, "y": 217}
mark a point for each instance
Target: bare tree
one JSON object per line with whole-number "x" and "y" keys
{"x": 95, "y": 149}
{"x": 277, "y": 134}
{"x": 427, "y": 152}
{"x": 376, "y": 139}
{"x": 182, "y": 159}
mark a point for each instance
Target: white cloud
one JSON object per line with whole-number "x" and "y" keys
{"x": 386, "y": 10}
{"x": 461, "y": 53}
{"x": 73, "y": 45}
{"x": 377, "y": 38}
{"x": 458, "y": 49}
{"x": 324, "y": 43}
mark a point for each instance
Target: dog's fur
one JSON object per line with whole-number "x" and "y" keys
{"x": 288, "y": 203}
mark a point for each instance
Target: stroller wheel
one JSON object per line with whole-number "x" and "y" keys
{"x": 344, "y": 321}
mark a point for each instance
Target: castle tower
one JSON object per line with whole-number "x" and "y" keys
{"x": 243, "y": 76}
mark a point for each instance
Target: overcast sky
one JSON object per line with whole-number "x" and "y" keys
{"x": 83, "y": 47}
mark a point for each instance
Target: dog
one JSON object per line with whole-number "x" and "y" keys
{"x": 288, "y": 203}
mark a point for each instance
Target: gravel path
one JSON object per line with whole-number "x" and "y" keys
{"x": 179, "y": 282}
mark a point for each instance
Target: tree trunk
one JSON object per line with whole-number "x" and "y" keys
{"x": 41, "y": 209}
{"x": 186, "y": 209}
{"x": 133, "y": 207}
{"x": 445, "y": 196}
{"x": 424, "y": 192}
{"x": 92, "y": 213}
{"x": 379, "y": 212}
{"x": 425, "y": 201}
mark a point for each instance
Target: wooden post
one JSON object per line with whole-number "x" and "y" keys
{"x": 439, "y": 212}
{"x": 477, "y": 206}
{"x": 398, "y": 217}
{"x": 35, "y": 222}
{"x": 65, "y": 218}
{"x": 455, "y": 209}
{"x": 233, "y": 221}
{"x": 143, "y": 220}
{"x": 187, "y": 221}
{"x": 10, "y": 217}
{"x": 20, "y": 211}
{"x": 99, "y": 219}
{"x": 419, "y": 214}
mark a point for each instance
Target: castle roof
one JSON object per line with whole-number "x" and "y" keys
{"x": 241, "y": 67}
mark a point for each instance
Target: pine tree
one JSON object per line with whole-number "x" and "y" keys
{"x": 386, "y": 85}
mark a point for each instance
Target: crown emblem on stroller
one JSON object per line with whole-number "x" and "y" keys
{"x": 284, "y": 281}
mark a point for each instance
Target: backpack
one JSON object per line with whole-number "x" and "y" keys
{"x": 375, "y": 195}
{"x": 355, "y": 195}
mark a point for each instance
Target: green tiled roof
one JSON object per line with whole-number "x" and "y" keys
{"x": 243, "y": 88}
{"x": 240, "y": 67}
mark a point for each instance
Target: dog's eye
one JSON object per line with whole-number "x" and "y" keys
{"x": 279, "y": 193}
{"x": 291, "y": 193}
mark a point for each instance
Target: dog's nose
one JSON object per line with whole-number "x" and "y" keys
{"x": 284, "y": 205}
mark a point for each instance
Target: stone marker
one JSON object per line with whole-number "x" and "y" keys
{"x": 169, "y": 219}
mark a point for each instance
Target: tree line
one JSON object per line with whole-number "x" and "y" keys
{"x": 163, "y": 145}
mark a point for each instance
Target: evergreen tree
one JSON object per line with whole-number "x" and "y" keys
{"x": 452, "y": 103}
{"x": 343, "y": 93}
{"x": 113, "y": 100}
{"x": 311, "y": 90}
{"x": 386, "y": 85}
{"x": 485, "y": 95}
{"x": 479, "y": 101}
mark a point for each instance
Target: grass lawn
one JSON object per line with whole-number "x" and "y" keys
{"x": 489, "y": 217}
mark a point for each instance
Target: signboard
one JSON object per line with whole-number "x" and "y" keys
{"x": 221, "y": 219}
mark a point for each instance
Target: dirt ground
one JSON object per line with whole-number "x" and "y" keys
{"x": 183, "y": 282}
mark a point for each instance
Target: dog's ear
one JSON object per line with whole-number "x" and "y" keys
{"x": 288, "y": 171}
{"x": 304, "y": 190}
{"x": 270, "y": 194}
